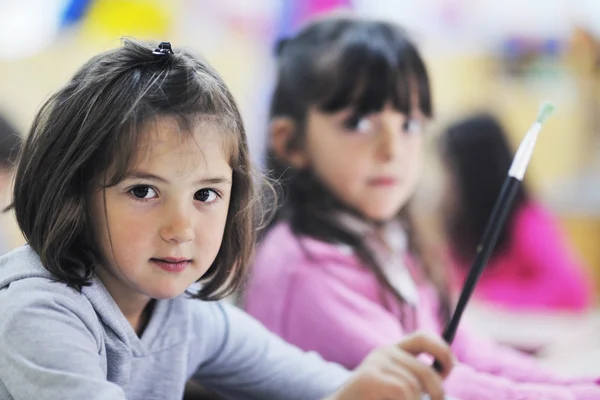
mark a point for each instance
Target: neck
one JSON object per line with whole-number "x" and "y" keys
{"x": 387, "y": 241}
{"x": 140, "y": 320}
{"x": 137, "y": 314}
{"x": 136, "y": 307}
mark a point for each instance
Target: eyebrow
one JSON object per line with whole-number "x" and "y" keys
{"x": 213, "y": 180}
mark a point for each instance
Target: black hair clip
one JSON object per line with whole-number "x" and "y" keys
{"x": 163, "y": 51}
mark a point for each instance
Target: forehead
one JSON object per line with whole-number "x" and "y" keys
{"x": 201, "y": 138}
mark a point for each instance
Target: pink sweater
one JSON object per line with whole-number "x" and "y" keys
{"x": 319, "y": 297}
{"x": 537, "y": 271}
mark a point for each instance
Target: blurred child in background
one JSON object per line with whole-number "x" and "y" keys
{"x": 532, "y": 266}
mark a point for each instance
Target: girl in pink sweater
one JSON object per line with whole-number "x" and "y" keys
{"x": 532, "y": 267}
{"x": 343, "y": 270}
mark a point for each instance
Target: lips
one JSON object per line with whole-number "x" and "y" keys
{"x": 172, "y": 259}
{"x": 383, "y": 181}
{"x": 172, "y": 264}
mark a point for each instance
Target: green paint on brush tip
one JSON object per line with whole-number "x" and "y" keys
{"x": 546, "y": 110}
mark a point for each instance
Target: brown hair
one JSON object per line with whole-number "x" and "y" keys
{"x": 92, "y": 125}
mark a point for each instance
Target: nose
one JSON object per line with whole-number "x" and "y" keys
{"x": 390, "y": 137}
{"x": 178, "y": 226}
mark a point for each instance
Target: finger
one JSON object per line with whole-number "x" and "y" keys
{"x": 420, "y": 342}
{"x": 408, "y": 383}
{"x": 398, "y": 386}
{"x": 429, "y": 380}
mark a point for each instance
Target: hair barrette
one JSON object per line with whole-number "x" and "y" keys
{"x": 163, "y": 51}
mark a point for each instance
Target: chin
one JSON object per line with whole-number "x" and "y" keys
{"x": 386, "y": 209}
{"x": 382, "y": 218}
{"x": 166, "y": 292}
{"x": 381, "y": 214}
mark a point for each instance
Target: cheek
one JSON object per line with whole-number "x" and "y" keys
{"x": 415, "y": 156}
{"x": 127, "y": 233}
{"x": 340, "y": 163}
{"x": 333, "y": 155}
{"x": 131, "y": 232}
{"x": 340, "y": 177}
{"x": 209, "y": 230}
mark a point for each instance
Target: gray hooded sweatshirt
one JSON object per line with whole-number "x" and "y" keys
{"x": 58, "y": 343}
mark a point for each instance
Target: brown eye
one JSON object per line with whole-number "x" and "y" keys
{"x": 143, "y": 192}
{"x": 205, "y": 195}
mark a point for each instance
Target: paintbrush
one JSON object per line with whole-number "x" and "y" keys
{"x": 496, "y": 222}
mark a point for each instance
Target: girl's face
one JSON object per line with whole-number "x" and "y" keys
{"x": 372, "y": 162}
{"x": 160, "y": 228}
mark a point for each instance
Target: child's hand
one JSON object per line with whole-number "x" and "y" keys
{"x": 394, "y": 373}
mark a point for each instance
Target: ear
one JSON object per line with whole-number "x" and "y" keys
{"x": 285, "y": 142}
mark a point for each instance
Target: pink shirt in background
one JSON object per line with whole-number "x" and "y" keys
{"x": 319, "y": 297}
{"x": 537, "y": 271}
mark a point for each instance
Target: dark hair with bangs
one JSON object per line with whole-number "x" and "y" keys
{"x": 92, "y": 125}
{"x": 477, "y": 153}
{"x": 332, "y": 64}
{"x": 340, "y": 62}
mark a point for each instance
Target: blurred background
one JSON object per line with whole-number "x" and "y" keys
{"x": 505, "y": 57}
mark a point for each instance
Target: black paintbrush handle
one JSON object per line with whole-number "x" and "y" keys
{"x": 484, "y": 250}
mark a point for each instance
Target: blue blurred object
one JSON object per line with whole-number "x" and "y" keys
{"x": 295, "y": 12}
{"x": 532, "y": 57}
{"x": 74, "y": 11}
